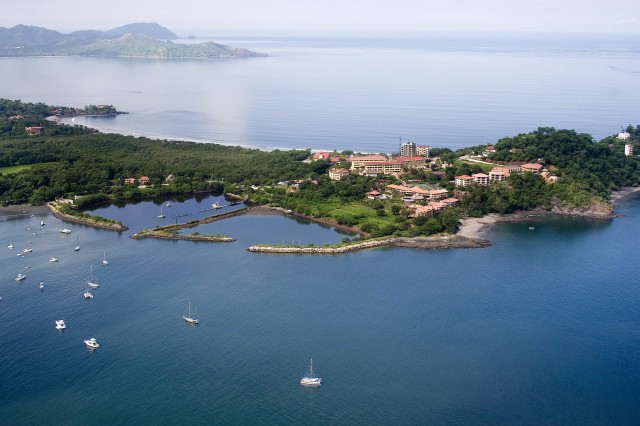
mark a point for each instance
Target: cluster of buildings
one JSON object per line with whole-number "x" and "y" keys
{"x": 143, "y": 181}
{"x": 628, "y": 148}
{"x": 498, "y": 174}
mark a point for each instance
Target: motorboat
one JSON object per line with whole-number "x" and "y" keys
{"x": 53, "y": 259}
{"x": 10, "y": 245}
{"x": 65, "y": 230}
{"x": 20, "y": 277}
{"x": 41, "y": 285}
{"x": 87, "y": 295}
{"x": 27, "y": 250}
{"x": 309, "y": 379}
{"x": 92, "y": 343}
{"x": 60, "y": 325}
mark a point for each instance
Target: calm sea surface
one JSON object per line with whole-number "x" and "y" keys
{"x": 541, "y": 328}
{"x": 360, "y": 94}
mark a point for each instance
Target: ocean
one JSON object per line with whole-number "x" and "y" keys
{"x": 353, "y": 94}
{"x": 543, "y": 327}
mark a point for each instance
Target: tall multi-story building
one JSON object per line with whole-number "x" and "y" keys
{"x": 628, "y": 149}
{"x": 422, "y": 150}
{"x": 408, "y": 149}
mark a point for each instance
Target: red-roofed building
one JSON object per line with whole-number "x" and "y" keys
{"x": 531, "y": 167}
{"x": 463, "y": 180}
{"x": 338, "y": 174}
{"x": 480, "y": 179}
{"x": 34, "y": 130}
{"x": 143, "y": 180}
{"x": 321, "y": 156}
{"x": 129, "y": 181}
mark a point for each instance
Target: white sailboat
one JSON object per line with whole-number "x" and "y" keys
{"x": 105, "y": 262}
{"x": 217, "y": 205}
{"x": 77, "y": 245}
{"x": 90, "y": 282}
{"x": 161, "y": 215}
{"x": 309, "y": 379}
{"x": 191, "y": 319}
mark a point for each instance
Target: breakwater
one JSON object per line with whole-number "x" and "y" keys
{"x": 84, "y": 220}
{"x": 425, "y": 243}
{"x": 163, "y": 235}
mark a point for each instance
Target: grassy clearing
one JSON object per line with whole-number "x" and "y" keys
{"x": 14, "y": 169}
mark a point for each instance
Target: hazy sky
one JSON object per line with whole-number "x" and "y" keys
{"x": 326, "y": 16}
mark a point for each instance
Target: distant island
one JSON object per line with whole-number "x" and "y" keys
{"x": 139, "y": 40}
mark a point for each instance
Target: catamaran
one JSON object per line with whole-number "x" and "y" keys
{"x": 191, "y": 319}
{"x": 310, "y": 380}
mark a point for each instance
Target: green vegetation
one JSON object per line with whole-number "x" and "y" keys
{"x": 69, "y": 161}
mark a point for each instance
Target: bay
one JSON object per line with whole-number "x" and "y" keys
{"x": 359, "y": 94}
{"x": 542, "y": 327}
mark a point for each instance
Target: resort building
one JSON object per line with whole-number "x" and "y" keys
{"x": 531, "y": 167}
{"x": 361, "y": 161}
{"x": 628, "y": 149}
{"x": 623, "y": 136}
{"x": 413, "y": 191}
{"x": 34, "y": 130}
{"x": 463, "y": 180}
{"x": 338, "y": 174}
{"x": 143, "y": 180}
{"x": 129, "y": 181}
{"x": 480, "y": 179}
{"x": 321, "y": 156}
{"x": 408, "y": 149}
{"x": 498, "y": 174}
{"x": 422, "y": 150}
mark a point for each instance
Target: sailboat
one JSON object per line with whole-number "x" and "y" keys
{"x": 161, "y": 215}
{"x": 310, "y": 380}
{"x": 217, "y": 205}
{"x": 90, "y": 282}
{"x": 190, "y": 319}
{"x": 77, "y": 245}
{"x": 105, "y": 262}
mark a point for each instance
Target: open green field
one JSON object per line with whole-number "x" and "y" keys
{"x": 14, "y": 169}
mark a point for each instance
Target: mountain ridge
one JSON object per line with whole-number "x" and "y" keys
{"x": 137, "y": 40}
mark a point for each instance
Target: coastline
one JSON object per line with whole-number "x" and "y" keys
{"x": 83, "y": 221}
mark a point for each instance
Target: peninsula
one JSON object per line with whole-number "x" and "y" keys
{"x": 415, "y": 193}
{"x": 140, "y": 40}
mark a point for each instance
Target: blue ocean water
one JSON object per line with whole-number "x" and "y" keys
{"x": 359, "y": 94}
{"x": 543, "y": 327}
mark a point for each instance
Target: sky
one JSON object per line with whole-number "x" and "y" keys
{"x": 324, "y": 17}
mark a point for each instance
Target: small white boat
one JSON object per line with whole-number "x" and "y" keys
{"x": 27, "y": 250}
{"x": 310, "y": 380}
{"x": 60, "y": 325}
{"x": 77, "y": 245}
{"x": 189, "y": 318}
{"x": 41, "y": 285}
{"x": 20, "y": 277}
{"x": 105, "y": 262}
{"x": 531, "y": 228}
{"x": 217, "y": 205}
{"x": 92, "y": 343}
{"x": 53, "y": 259}
{"x": 90, "y": 282}
{"x": 168, "y": 205}
{"x": 87, "y": 295}
{"x": 161, "y": 215}
{"x": 65, "y": 230}
{"x": 42, "y": 223}
{"x": 10, "y": 245}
